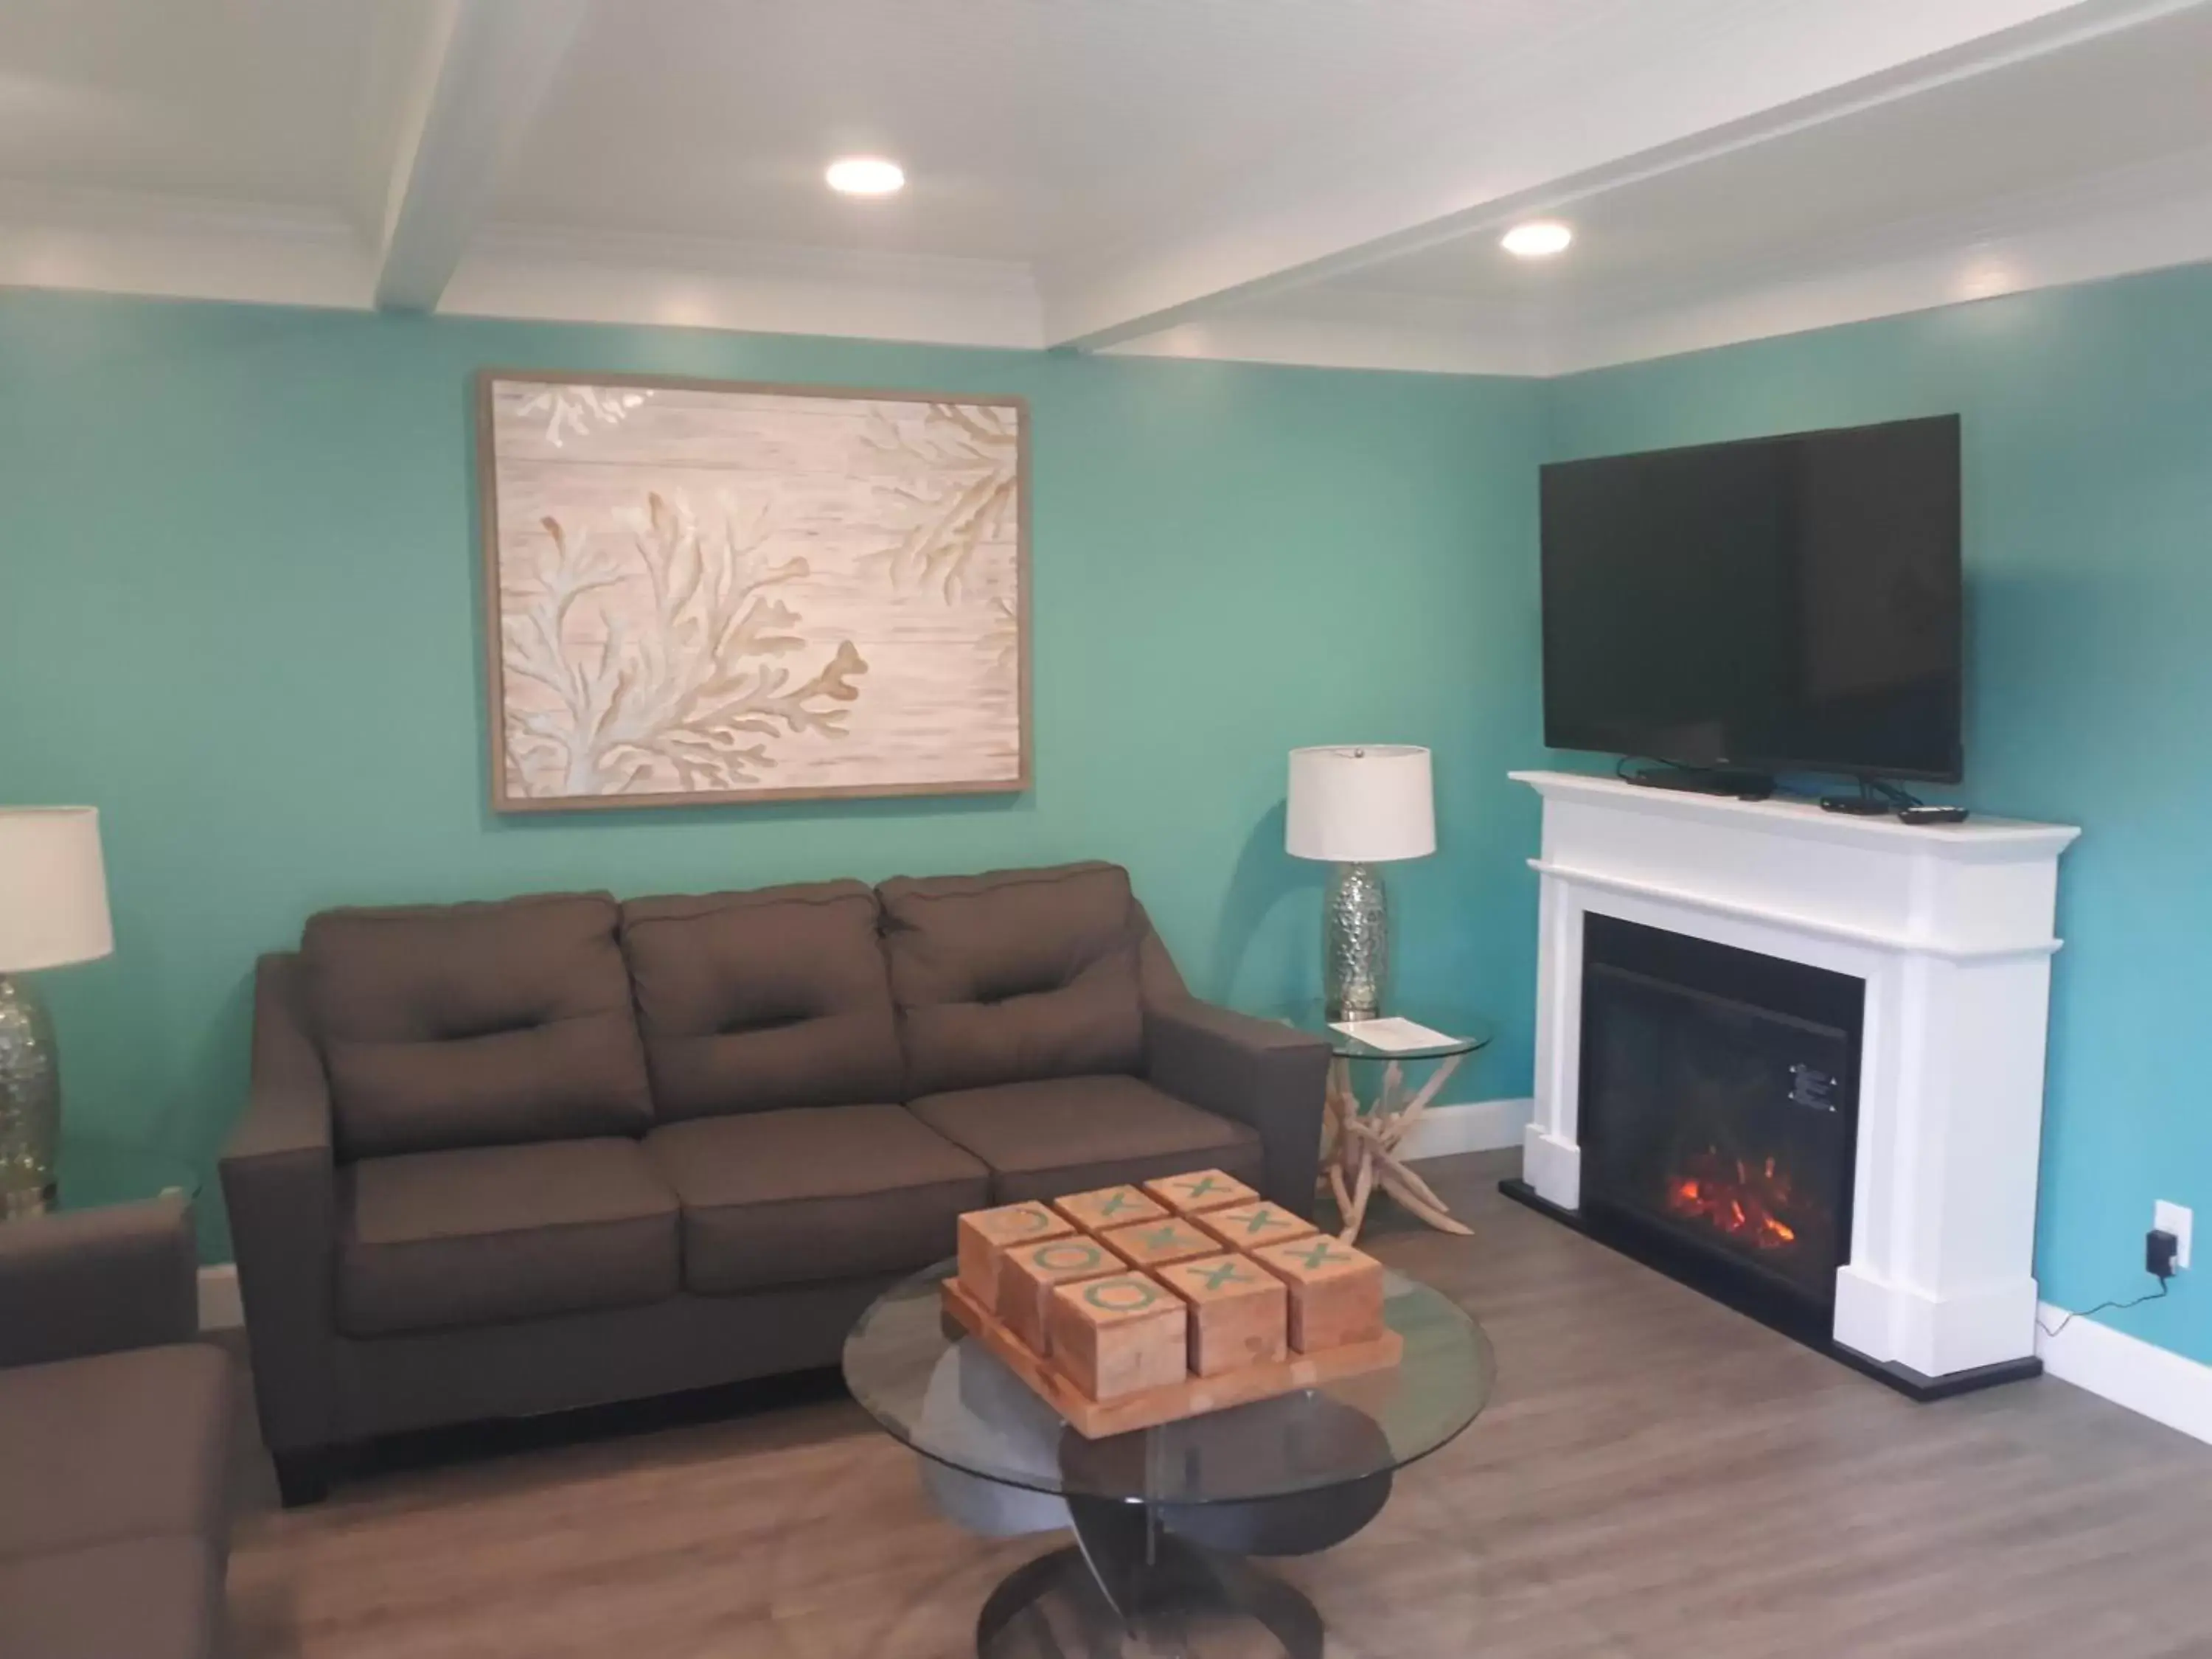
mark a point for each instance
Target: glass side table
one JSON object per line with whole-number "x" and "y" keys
{"x": 1362, "y": 1142}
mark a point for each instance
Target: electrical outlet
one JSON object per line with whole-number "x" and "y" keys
{"x": 2172, "y": 1218}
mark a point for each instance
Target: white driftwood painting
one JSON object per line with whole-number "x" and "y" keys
{"x": 704, "y": 592}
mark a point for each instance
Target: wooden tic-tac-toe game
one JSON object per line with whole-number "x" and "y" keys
{"x": 1133, "y": 1306}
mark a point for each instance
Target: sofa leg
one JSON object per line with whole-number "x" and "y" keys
{"x": 302, "y": 1477}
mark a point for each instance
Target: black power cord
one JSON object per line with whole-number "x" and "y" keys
{"x": 2164, "y": 1285}
{"x": 2160, "y": 1249}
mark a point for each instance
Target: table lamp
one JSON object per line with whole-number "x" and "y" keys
{"x": 53, "y": 911}
{"x": 1357, "y": 807}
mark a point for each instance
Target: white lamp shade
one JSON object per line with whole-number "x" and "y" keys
{"x": 53, "y": 888}
{"x": 1360, "y": 804}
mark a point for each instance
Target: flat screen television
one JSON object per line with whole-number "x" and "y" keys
{"x": 1779, "y": 603}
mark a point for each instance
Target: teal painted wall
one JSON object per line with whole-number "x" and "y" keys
{"x": 2088, "y": 508}
{"x": 239, "y": 613}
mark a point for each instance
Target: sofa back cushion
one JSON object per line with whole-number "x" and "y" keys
{"x": 476, "y": 1024}
{"x": 753, "y": 1002}
{"x": 1014, "y": 976}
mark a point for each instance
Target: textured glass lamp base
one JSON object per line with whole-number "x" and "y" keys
{"x": 30, "y": 1102}
{"x": 1355, "y": 943}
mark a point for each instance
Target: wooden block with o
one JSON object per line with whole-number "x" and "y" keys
{"x": 1156, "y": 1243}
{"x": 985, "y": 1237}
{"x": 1246, "y": 1226}
{"x": 1238, "y": 1311}
{"x": 1199, "y": 1191}
{"x": 1108, "y": 1207}
{"x": 1336, "y": 1292}
{"x": 1118, "y": 1336}
{"x": 1029, "y": 1274}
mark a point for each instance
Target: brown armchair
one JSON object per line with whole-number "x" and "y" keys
{"x": 114, "y": 1438}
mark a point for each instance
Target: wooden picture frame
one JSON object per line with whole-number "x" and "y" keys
{"x": 704, "y": 592}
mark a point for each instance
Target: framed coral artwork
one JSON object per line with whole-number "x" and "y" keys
{"x": 701, "y": 592}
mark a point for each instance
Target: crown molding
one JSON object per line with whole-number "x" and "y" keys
{"x": 2143, "y": 218}
{"x": 1356, "y": 328}
{"x": 699, "y": 283}
{"x": 179, "y": 247}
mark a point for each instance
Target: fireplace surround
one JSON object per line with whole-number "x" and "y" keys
{"x": 1722, "y": 983}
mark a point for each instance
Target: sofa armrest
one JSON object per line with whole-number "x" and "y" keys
{"x": 91, "y": 1281}
{"x": 1255, "y": 1071}
{"x": 280, "y": 1185}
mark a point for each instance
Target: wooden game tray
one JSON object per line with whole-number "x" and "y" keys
{"x": 1191, "y": 1397}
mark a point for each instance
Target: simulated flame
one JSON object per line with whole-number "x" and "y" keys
{"x": 1734, "y": 1197}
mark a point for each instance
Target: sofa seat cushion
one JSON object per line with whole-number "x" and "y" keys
{"x": 1045, "y": 1139}
{"x": 754, "y": 1001}
{"x": 117, "y": 1445}
{"x": 814, "y": 1192}
{"x": 1015, "y": 975}
{"x": 494, "y": 1233}
{"x": 476, "y": 1024}
{"x": 132, "y": 1598}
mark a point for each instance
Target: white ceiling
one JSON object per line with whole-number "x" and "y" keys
{"x": 250, "y": 99}
{"x": 1308, "y": 180}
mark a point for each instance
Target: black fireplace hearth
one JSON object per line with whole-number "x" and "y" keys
{"x": 1719, "y": 1106}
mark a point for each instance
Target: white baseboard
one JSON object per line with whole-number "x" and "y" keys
{"x": 1474, "y": 1126}
{"x": 220, "y": 1307}
{"x": 2166, "y": 1388}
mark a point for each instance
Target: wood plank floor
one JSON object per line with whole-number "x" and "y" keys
{"x": 1655, "y": 1477}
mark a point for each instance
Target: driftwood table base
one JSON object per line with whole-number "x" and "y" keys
{"x": 1361, "y": 1148}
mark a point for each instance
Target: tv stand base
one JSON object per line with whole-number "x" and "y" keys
{"x": 1707, "y": 780}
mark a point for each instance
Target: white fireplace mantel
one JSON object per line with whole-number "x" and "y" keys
{"x": 1949, "y": 926}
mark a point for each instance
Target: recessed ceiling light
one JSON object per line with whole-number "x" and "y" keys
{"x": 865, "y": 175}
{"x": 1537, "y": 240}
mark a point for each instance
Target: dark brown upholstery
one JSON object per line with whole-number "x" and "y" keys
{"x": 491, "y": 1233}
{"x": 114, "y": 1457}
{"x": 754, "y": 1001}
{"x": 113, "y": 1446}
{"x": 1068, "y": 1135}
{"x": 1258, "y": 1072}
{"x": 476, "y": 1024}
{"x": 466, "y": 1372}
{"x": 148, "y": 1598}
{"x": 280, "y": 1190}
{"x": 93, "y": 1281}
{"x": 822, "y": 1192}
{"x": 557, "y": 1234}
{"x": 1014, "y": 976}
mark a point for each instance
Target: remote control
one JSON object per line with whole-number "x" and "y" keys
{"x": 1931, "y": 814}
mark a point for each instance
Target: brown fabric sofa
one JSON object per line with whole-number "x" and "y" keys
{"x": 114, "y": 1439}
{"x": 502, "y": 1160}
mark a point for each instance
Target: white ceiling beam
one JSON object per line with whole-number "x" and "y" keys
{"x": 1549, "y": 141}
{"x": 460, "y": 82}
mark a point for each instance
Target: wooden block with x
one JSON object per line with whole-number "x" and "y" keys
{"x": 1244, "y": 1226}
{"x": 1201, "y": 1191}
{"x": 1239, "y": 1313}
{"x": 1336, "y": 1292}
{"x": 1156, "y": 1243}
{"x": 1108, "y": 1207}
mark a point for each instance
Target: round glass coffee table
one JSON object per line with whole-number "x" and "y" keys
{"x": 1167, "y": 1519}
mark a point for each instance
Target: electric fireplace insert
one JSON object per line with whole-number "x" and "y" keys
{"x": 1718, "y": 1115}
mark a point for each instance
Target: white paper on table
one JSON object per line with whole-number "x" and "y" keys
{"x": 1392, "y": 1036}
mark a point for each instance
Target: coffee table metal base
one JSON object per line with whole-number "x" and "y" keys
{"x": 1060, "y": 1607}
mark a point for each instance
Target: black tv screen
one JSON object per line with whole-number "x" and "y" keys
{"x": 1780, "y": 603}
